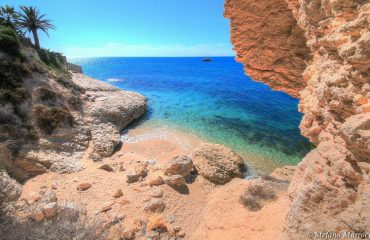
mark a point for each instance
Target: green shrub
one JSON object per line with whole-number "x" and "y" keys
{"x": 51, "y": 58}
{"x": 49, "y": 118}
{"x": 9, "y": 41}
{"x": 12, "y": 73}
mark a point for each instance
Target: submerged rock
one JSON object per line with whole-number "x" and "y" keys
{"x": 217, "y": 163}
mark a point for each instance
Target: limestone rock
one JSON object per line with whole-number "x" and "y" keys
{"x": 106, "y": 206}
{"x": 37, "y": 215}
{"x": 83, "y": 186}
{"x": 180, "y": 165}
{"x": 10, "y": 189}
{"x": 155, "y": 180}
{"x": 118, "y": 193}
{"x": 50, "y": 209}
{"x": 154, "y": 205}
{"x": 175, "y": 181}
{"x": 317, "y": 51}
{"x": 99, "y": 112}
{"x": 106, "y": 167}
{"x": 105, "y": 137}
{"x": 284, "y": 173}
{"x": 156, "y": 192}
{"x": 268, "y": 42}
{"x": 217, "y": 163}
{"x": 137, "y": 172}
{"x": 96, "y": 157}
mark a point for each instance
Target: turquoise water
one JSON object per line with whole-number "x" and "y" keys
{"x": 213, "y": 100}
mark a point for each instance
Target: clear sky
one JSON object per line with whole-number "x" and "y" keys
{"x": 91, "y": 28}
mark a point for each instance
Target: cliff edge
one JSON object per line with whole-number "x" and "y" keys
{"x": 319, "y": 52}
{"x": 50, "y": 116}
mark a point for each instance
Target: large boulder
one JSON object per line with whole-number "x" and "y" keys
{"x": 218, "y": 163}
{"x": 179, "y": 165}
{"x": 105, "y": 138}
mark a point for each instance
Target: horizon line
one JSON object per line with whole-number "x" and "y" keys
{"x": 151, "y": 56}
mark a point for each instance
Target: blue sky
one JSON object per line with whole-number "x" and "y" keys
{"x": 88, "y": 28}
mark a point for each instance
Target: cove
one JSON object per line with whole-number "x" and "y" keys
{"x": 214, "y": 101}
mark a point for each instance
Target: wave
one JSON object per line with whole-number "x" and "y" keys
{"x": 115, "y": 80}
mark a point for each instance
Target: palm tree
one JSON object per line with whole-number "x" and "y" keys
{"x": 31, "y": 20}
{"x": 8, "y": 16}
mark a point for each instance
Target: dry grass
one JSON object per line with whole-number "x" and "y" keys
{"x": 45, "y": 94}
{"x": 75, "y": 102}
{"x": 256, "y": 195}
{"x": 49, "y": 118}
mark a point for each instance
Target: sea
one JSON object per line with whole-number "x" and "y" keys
{"x": 214, "y": 101}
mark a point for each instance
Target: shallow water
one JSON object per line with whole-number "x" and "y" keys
{"x": 214, "y": 101}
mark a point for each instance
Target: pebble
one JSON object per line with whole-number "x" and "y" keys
{"x": 83, "y": 186}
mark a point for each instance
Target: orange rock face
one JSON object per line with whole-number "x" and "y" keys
{"x": 324, "y": 60}
{"x": 268, "y": 42}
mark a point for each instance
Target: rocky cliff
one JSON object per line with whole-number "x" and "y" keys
{"x": 50, "y": 117}
{"x": 319, "y": 52}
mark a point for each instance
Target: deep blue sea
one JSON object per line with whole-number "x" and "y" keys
{"x": 214, "y": 100}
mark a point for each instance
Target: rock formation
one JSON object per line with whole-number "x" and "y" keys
{"x": 218, "y": 163}
{"x": 50, "y": 116}
{"x": 318, "y": 51}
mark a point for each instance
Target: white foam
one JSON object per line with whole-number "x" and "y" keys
{"x": 113, "y": 80}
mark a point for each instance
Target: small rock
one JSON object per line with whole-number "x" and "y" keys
{"x": 171, "y": 218}
{"x": 147, "y": 199}
{"x": 96, "y": 157}
{"x": 181, "y": 234}
{"x": 106, "y": 167}
{"x": 156, "y": 223}
{"x": 118, "y": 193}
{"x": 124, "y": 202}
{"x": 180, "y": 165}
{"x": 143, "y": 184}
{"x": 177, "y": 228}
{"x": 155, "y": 181}
{"x": 128, "y": 234}
{"x": 50, "y": 209}
{"x": 156, "y": 192}
{"x": 83, "y": 186}
{"x": 175, "y": 181}
{"x": 38, "y": 216}
{"x": 132, "y": 177}
{"x": 140, "y": 171}
{"x": 34, "y": 197}
{"x": 154, "y": 205}
{"x": 153, "y": 235}
{"x": 106, "y": 206}
{"x": 151, "y": 162}
{"x": 54, "y": 186}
